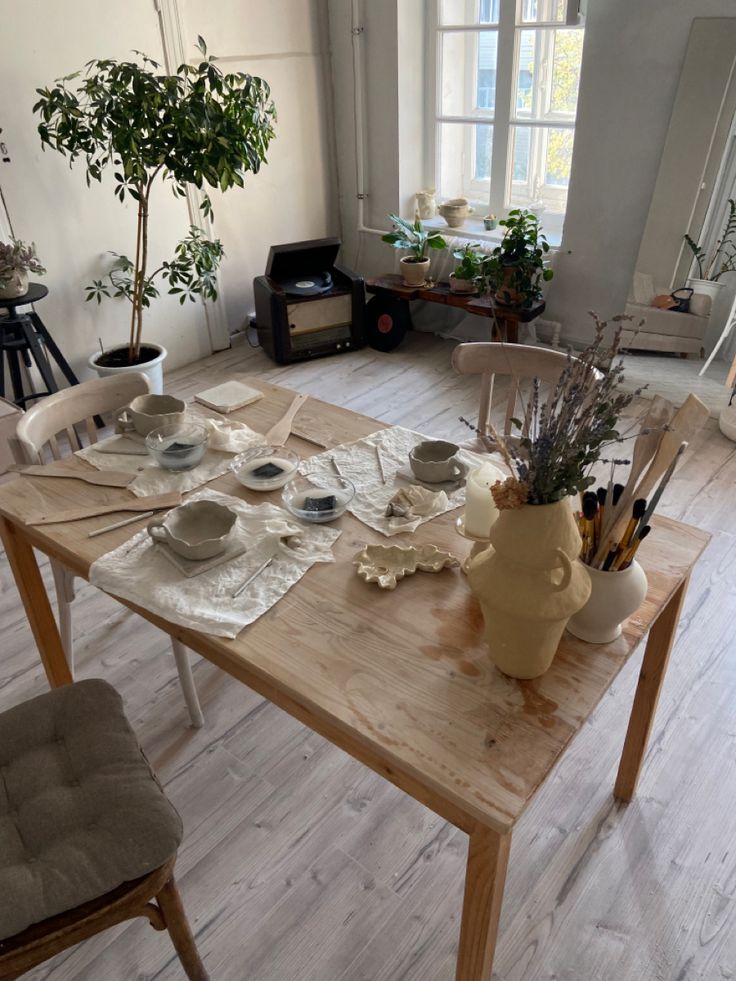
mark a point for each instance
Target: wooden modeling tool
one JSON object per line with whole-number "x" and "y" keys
{"x": 101, "y": 478}
{"x": 151, "y": 503}
{"x": 278, "y": 434}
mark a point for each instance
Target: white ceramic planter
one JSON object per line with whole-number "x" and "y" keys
{"x": 613, "y": 598}
{"x": 461, "y": 285}
{"x": 17, "y": 286}
{"x": 727, "y": 421}
{"x": 153, "y": 369}
{"x": 414, "y": 273}
{"x": 705, "y": 286}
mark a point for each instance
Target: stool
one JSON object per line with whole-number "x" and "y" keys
{"x": 25, "y": 335}
{"x": 87, "y": 837}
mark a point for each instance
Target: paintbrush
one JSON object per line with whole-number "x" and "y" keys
{"x": 590, "y": 509}
{"x": 655, "y": 498}
{"x": 628, "y": 558}
{"x": 602, "y": 495}
{"x": 637, "y": 513}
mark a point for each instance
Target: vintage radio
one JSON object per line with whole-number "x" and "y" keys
{"x": 306, "y": 305}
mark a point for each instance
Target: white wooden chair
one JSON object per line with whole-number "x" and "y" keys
{"x": 517, "y": 361}
{"x": 62, "y": 418}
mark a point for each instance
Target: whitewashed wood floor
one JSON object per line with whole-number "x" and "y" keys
{"x": 300, "y": 865}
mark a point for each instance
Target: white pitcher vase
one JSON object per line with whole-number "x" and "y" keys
{"x": 529, "y": 584}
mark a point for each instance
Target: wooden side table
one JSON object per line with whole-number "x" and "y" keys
{"x": 388, "y": 317}
{"x": 25, "y": 335}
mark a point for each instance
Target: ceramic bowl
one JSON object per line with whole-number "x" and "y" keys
{"x": 318, "y": 497}
{"x": 148, "y": 412}
{"x": 178, "y": 445}
{"x": 435, "y": 461}
{"x": 198, "y": 530}
{"x": 387, "y": 564}
{"x": 265, "y": 468}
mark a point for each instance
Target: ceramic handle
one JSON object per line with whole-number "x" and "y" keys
{"x": 156, "y": 529}
{"x": 461, "y": 469}
{"x": 566, "y": 570}
{"x": 123, "y": 422}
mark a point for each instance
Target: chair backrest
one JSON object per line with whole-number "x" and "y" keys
{"x": 518, "y": 361}
{"x": 60, "y": 414}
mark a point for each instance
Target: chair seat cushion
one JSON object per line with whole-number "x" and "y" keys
{"x": 80, "y": 809}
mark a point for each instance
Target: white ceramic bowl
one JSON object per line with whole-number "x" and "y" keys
{"x": 317, "y": 497}
{"x": 265, "y": 468}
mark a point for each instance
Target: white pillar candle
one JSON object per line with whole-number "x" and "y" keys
{"x": 480, "y": 509}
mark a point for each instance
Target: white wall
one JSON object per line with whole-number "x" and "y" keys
{"x": 293, "y": 197}
{"x": 634, "y": 51}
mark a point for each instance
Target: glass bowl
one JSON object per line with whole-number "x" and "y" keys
{"x": 318, "y": 497}
{"x": 178, "y": 445}
{"x": 265, "y": 468}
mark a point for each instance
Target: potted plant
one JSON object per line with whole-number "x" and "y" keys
{"x": 515, "y": 270}
{"x": 722, "y": 260}
{"x": 414, "y": 238}
{"x": 197, "y": 128}
{"x": 17, "y": 260}
{"x": 463, "y": 279}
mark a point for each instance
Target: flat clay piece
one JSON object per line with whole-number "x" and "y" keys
{"x": 320, "y": 503}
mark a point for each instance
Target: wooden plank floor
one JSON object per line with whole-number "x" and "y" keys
{"x": 300, "y": 865}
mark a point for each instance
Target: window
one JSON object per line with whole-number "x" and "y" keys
{"x": 503, "y": 120}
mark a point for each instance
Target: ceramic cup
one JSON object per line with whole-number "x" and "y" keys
{"x": 198, "y": 530}
{"x": 435, "y": 461}
{"x": 148, "y": 412}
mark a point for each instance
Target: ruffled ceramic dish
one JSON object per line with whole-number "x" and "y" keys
{"x": 387, "y": 564}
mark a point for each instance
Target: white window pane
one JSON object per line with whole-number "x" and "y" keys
{"x": 469, "y": 11}
{"x": 526, "y": 99}
{"x": 468, "y": 83}
{"x": 465, "y": 157}
{"x": 541, "y": 157}
{"x": 568, "y": 53}
{"x": 543, "y": 11}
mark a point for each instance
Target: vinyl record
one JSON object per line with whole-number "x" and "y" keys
{"x": 310, "y": 284}
{"x": 387, "y": 320}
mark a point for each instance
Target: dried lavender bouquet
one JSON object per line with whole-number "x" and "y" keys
{"x": 561, "y": 437}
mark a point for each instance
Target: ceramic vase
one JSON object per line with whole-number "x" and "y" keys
{"x": 17, "y": 286}
{"x": 614, "y": 597}
{"x": 529, "y": 584}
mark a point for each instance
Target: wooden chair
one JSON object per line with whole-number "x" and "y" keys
{"x": 87, "y": 836}
{"x": 58, "y": 424}
{"x": 520, "y": 363}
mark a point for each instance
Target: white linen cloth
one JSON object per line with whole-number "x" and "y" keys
{"x": 139, "y": 573}
{"x": 359, "y": 463}
{"x": 226, "y": 438}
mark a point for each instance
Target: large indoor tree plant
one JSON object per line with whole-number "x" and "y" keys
{"x": 199, "y": 127}
{"x": 515, "y": 270}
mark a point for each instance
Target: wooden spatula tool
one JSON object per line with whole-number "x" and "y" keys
{"x": 686, "y": 422}
{"x": 101, "y": 478}
{"x": 278, "y": 434}
{"x": 151, "y": 503}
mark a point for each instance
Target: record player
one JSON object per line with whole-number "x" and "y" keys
{"x": 307, "y": 306}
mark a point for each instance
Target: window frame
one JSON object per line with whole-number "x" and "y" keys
{"x": 495, "y": 193}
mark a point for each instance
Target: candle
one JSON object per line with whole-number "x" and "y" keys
{"x": 480, "y": 509}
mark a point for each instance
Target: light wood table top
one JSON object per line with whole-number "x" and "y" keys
{"x": 403, "y": 674}
{"x": 401, "y": 680}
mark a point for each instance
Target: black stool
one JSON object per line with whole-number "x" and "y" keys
{"x": 24, "y": 335}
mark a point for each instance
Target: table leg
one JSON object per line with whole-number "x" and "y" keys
{"x": 485, "y": 876}
{"x": 651, "y": 678}
{"x": 35, "y": 599}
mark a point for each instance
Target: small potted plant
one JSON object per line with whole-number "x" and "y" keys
{"x": 17, "y": 260}
{"x": 514, "y": 271}
{"x": 463, "y": 279}
{"x": 490, "y": 222}
{"x": 415, "y": 239}
{"x": 715, "y": 264}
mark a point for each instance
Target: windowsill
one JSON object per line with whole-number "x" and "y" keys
{"x": 473, "y": 229}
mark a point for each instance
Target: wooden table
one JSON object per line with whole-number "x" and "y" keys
{"x": 504, "y": 320}
{"x": 400, "y": 680}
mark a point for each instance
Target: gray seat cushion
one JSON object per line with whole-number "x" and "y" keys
{"x": 80, "y": 810}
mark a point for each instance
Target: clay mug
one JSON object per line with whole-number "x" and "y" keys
{"x": 435, "y": 461}
{"x": 148, "y": 412}
{"x": 198, "y": 530}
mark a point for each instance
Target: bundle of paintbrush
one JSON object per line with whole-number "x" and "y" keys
{"x": 619, "y": 555}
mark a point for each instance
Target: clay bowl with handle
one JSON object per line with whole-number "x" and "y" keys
{"x": 196, "y": 531}
{"x": 148, "y": 412}
{"x": 435, "y": 461}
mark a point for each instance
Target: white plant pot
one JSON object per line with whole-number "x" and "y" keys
{"x": 461, "y": 285}
{"x": 613, "y": 598}
{"x": 18, "y": 285}
{"x": 414, "y": 273}
{"x": 154, "y": 369}
{"x": 705, "y": 286}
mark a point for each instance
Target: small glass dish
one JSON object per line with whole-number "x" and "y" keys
{"x": 265, "y": 468}
{"x": 178, "y": 445}
{"x": 318, "y": 497}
